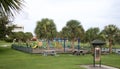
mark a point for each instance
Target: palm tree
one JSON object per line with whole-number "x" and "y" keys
{"x": 39, "y": 30}
{"x": 117, "y": 39}
{"x": 10, "y": 7}
{"x": 64, "y": 33}
{"x": 110, "y": 32}
{"x": 74, "y": 30}
{"x": 46, "y": 29}
{"x": 91, "y": 34}
{"x": 4, "y": 30}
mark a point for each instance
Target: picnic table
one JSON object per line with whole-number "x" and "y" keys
{"x": 49, "y": 52}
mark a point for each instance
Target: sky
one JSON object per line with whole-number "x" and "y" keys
{"x": 90, "y": 13}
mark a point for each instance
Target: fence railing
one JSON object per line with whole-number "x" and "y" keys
{"x": 26, "y": 49}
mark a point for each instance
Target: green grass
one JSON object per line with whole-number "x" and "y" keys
{"x": 2, "y": 43}
{"x": 111, "y": 60}
{"x": 116, "y": 46}
{"x": 12, "y": 59}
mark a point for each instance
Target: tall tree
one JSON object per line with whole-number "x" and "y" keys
{"x": 117, "y": 37}
{"x": 64, "y": 33}
{"x": 92, "y": 33}
{"x": 3, "y": 29}
{"x": 28, "y": 36}
{"x": 46, "y": 29}
{"x": 74, "y": 31}
{"x": 7, "y": 9}
{"x": 110, "y": 32}
{"x": 10, "y": 7}
{"x": 102, "y": 36}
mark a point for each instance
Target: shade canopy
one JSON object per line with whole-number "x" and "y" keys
{"x": 97, "y": 42}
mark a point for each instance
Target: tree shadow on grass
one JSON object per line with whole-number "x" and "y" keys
{"x": 4, "y": 50}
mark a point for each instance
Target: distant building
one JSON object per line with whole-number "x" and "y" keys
{"x": 18, "y": 28}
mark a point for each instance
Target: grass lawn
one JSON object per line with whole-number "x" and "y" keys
{"x": 12, "y": 59}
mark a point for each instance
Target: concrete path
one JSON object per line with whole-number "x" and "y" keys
{"x": 97, "y": 67}
{"x": 4, "y": 45}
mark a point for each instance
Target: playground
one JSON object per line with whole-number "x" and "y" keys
{"x": 50, "y": 47}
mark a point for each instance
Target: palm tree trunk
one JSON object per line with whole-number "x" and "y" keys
{"x": 73, "y": 45}
{"x": 110, "y": 46}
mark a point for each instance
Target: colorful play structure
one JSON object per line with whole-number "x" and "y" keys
{"x": 40, "y": 46}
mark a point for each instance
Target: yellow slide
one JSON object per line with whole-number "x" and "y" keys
{"x": 34, "y": 46}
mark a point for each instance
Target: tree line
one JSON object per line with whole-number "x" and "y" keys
{"x": 46, "y": 29}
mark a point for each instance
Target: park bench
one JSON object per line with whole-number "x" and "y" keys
{"x": 118, "y": 52}
{"x": 49, "y": 52}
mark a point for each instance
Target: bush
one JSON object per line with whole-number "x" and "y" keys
{"x": 8, "y": 40}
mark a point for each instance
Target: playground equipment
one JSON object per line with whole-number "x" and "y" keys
{"x": 40, "y": 43}
{"x": 59, "y": 45}
{"x": 36, "y": 46}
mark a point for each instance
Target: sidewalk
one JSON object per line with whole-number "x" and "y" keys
{"x": 97, "y": 67}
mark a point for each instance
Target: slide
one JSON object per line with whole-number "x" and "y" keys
{"x": 35, "y": 46}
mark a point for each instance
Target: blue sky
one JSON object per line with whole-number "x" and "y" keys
{"x": 91, "y": 13}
